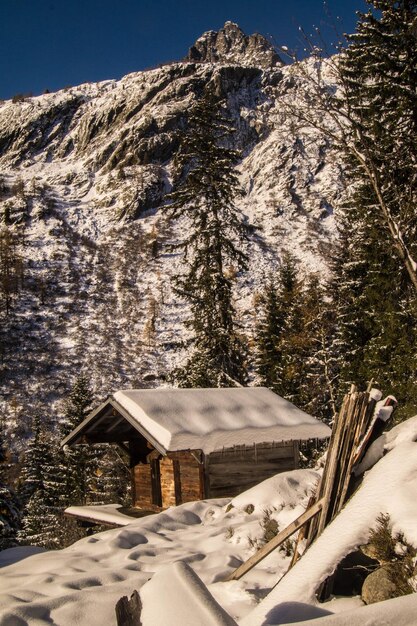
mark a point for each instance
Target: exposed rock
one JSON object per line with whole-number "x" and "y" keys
{"x": 270, "y": 530}
{"x": 35, "y": 133}
{"x": 378, "y": 586}
{"x": 231, "y": 45}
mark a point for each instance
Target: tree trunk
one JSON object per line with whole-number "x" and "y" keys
{"x": 128, "y": 611}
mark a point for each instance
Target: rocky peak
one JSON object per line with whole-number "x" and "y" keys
{"x": 231, "y": 45}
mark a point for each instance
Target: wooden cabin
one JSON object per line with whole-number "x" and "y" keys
{"x": 192, "y": 444}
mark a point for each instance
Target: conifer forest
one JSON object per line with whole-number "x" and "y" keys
{"x": 209, "y": 223}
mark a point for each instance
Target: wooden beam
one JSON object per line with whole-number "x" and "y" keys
{"x": 115, "y": 438}
{"x": 116, "y": 423}
{"x": 122, "y": 445}
{"x": 301, "y": 535}
{"x": 120, "y": 409}
{"x": 96, "y": 422}
{"x": 77, "y": 432}
{"x": 275, "y": 542}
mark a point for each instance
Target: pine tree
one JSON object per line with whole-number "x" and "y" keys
{"x": 319, "y": 385}
{"x": 270, "y": 325}
{"x": 41, "y": 491}
{"x": 353, "y": 326}
{"x": 78, "y": 405}
{"x": 80, "y": 461}
{"x": 11, "y": 267}
{"x": 93, "y": 474}
{"x": 374, "y": 296}
{"x": 279, "y": 334}
{"x": 375, "y": 309}
{"x": 368, "y": 112}
{"x": 290, "y": 370}
{"x": 10, "y": 513}
{"x": 111, "y": 479}
{"x": 204, "y": 193}
{"x": 10, "y": 516}
{"x": 378, "y": 71}
{"x": 295, "y": 356}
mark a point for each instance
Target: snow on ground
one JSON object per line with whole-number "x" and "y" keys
{"x": 81, "y": 584}
{"x": 396, "y": 612}
{"x": 407, "y": 431}
{"x": 185, "y": 596}
{"x": 389, "y": 488}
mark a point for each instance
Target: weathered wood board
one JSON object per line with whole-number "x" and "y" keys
{"x": 167, "y": 482}
{"x": 186, "y": 475}
{"x": 232, "y": 471}
{"x": 142, "y": 485}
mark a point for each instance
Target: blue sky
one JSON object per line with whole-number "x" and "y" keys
{"x": 49, "y": 44}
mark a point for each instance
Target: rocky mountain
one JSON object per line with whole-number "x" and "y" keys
{"x": 84, "y": 175}
{"x": 231, "y": 45}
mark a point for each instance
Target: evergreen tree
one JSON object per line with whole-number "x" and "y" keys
{"x": 80, "y": 461}
{"x": 318, "y": 388}
{"x": 270, "y": 325}
{"x": 353, "y": 327}
{"x": 10, "y": 516}
{"x": 111, "y": 480}
{"x": 279, "y": 334}
{"x": 78, "y": 405}
{"x": 290, "y": 369}
{"x": 11, "y": 267}
{"x": 204, "y": 193}
{"x": 41, "y": 491}
{"x": 94, "y": 474}
{"x": 371, "y": 117}
{"x": 9, "y": 504}
{"x": 373, "y": 294}
{"x": 375, "y": 308}
{"x": 295, "y": 356}
{"x": 378, "y": 71}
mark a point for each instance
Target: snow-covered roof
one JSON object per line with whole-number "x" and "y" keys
{"x": 205, "y": 419}
{"x": 101, "y": 513}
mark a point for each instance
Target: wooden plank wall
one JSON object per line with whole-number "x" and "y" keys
{"x": 228, "y": 473}
{"x": 167, "y": 482}
{"x": 233, "y": 470}
{"x": 142, "y": 494}
{"x": 191, "y": 477}
{"x": 181, "y": 478}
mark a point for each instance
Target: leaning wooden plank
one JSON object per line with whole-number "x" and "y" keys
{"x": 301, "y": 535}
{"x": 353, "y": 426}
{"x": 332, "y": 463}
{"x": 275, "y": 542}
{"x": 363, "y": 422}
{"x": 376, "y": 426}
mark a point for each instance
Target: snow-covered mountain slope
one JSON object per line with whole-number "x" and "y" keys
{"x": 84, "y": 173}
